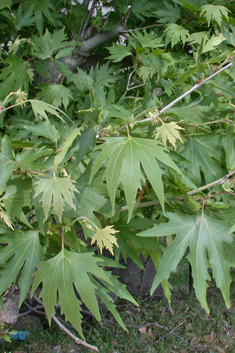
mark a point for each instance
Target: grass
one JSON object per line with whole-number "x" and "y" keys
{"x": 152, "y": 327}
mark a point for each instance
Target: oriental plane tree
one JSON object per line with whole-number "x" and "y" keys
{"x": 116, "y": 134}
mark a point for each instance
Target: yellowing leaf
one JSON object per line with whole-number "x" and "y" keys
{"x": 55, "y": 192}
{"x": 104, "y": 239}
{"x": 168, "y": 131}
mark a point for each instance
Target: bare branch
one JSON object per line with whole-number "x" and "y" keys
{"x": 188, "y": 92}
{"x": 62, "y": 327}
{"x": 86, "y": 3}
{"x": 83, "y": 32}
{"x": 98, "y": 39}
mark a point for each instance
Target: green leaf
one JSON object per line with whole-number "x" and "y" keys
{"x": 7, "y": 163}
{"x": 205, "y": 238}
{"x": 55, "y": 192}
{"x": 17, "y": 196}
{"x": 60, "y": 275}
{"x": 104, "y": 75}
{"x": 17, "y": 74}
{"x": 214, "y": 12}
{"x": 49, "y": 44}
{"x": 41, "y": 109}
{"x": 148, "y": 40}
{"x": 119, "y": 52}
{"x": 126, "y": 156}
{"x": 230, "y": 36}
{"x": 205, "y": 154}
{"x": 213, "y": 43}
{"x": 142, "y": 8}
{"x": 24, "y": 18}
{"x": 55, "y": 94}
{"x": 5, "y": 3}
{"x": 169, "y": 14}
{"x": 132, "y": 246}
{"x": 44, "y": 129}
{"x": 146, "y": 72}
{"x": 86, "y": 142}
{"x": 229, "y": 148}
{"x": 66, "y": 145}
{"x": 31, "y": 158}
{"x": 41, "y": 9}
{"x": 19, "y": 257}
{"x": 90, "y": 199}
{"x": 176, "y": 34}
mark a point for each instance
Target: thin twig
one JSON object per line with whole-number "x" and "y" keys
{"x": 190, "y": 193}
{"x": 128, "y": 81}
{"x": 169, "y": 333}
{"x": 62, "y": 327}
{"x": 188, "y": 92}
{"x": 214, "y": 183}
{"x": 147, "y": 325}
{"x": 141, "y": 85}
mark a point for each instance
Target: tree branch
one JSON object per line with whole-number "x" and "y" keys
{"x": 98, "y": 39}
{"x": 188, "y": 92}
{"x": 83, "y": 32}
{"x": 62, "y": 327}
{"x": 190, "y": 193}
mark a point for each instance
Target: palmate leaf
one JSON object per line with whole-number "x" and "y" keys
{"x": 142, "y": 8}
{"x": 43, "y": 8}
{"x": 168, "y": 131}
{"x": 119, "y": 52}
{"x": 16, "y": 197}
{"x": 168, "y": 14}
{"x": 204, "y": 153}
{"x": 22, "y": 253}
{"x": 51, "y": 43}
{"x": 23, "y": 18}
{"x": 42, "y": 109}
{"x": 44, "y": 129}
{"x": 91, "y": 199}
{"x": 176, "y": 34}
{"x": 16, "y": 74}
{"x": 126, "y": 156}
{"x": 60, "y": 275}
{"x": 104, "y": 238}
{"x": 55, "y": 192}
{"x": 148, "y": 40}
{"x": 205, "y": 238}
{"x": 214, "y": 12}
{"x": 55, "y": 94}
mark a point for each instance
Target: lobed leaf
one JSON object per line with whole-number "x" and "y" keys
{"x": 19, "y": 257}
{"x": 205, "y": 237}
{"x": 126, "y": 156}
{"x": 55, "y": 192}
{"x": 61, "y": 276}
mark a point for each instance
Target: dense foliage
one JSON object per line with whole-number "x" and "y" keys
{"x": 90, "y": 146}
